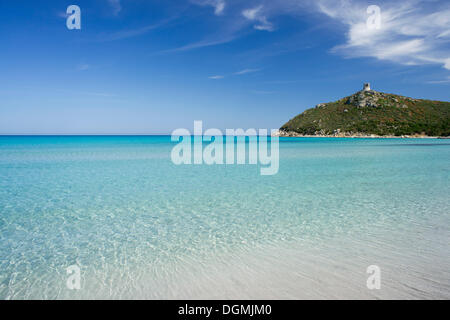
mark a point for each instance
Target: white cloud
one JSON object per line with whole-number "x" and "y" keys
{"x": 116, "y": 6}
{"x": 255, "y": 14}
{"x": 447, "y": 64}
{"x": 218, "y": 5}
{"x": 251, "y": 14}
{"x": 216, "y": 77}
{"x": 245, "y": 71}
{"x": 410, "y": 33}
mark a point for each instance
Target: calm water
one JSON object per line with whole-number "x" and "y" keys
{"x": 140, "y": 227}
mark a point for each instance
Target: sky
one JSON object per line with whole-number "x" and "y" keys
{"x": 152, "y": 66}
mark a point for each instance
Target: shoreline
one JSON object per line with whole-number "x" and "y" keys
{"x": 291, "y": 134}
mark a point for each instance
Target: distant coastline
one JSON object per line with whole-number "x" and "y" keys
{"x": 372, "y": 114}
{"x": 293, "y": 134}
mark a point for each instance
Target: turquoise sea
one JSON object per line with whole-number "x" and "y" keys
{"x": 139, "y": 226}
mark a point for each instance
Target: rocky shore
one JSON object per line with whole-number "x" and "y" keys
{"x": 293, "y": 134}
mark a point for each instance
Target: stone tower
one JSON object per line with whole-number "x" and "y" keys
{"x": 366, "y": 87}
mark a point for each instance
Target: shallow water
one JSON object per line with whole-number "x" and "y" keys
{"x": 141, "y": 227}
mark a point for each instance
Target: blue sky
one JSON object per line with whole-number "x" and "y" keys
{"x": 151, "y": 66}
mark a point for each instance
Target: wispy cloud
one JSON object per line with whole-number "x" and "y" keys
{"x": 410, "y": 33}
{"x": 225, "y": 33}
{"x": 218, "y": 5}
{"x": 238, "y": 73}
{"x": 200, "y": 44}
{"x": 115, "y": 6}
{"x": 447, "y": 64}
{"x": 256, "y": 14}
{"x": 447, "y": 80}
{"x": 263, "y": 92}
{"x": 280, "y": 81}
{"x": 62, "y": 14}
{"x": 99, "y": 94}
{"x": 413, "y": 32}
{"x": 216, "y": 77}
{"x": 124, "y": 34}
{"x": 245, "y": 71}
{"x": 83, "y": 67}
{"x": 87, "y": 93}
{"x": 231, "y": 27}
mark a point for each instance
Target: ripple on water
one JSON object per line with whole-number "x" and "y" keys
{"x": 141, "y": 227}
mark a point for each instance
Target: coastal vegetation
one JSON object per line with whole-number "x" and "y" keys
{"x": 369, "y": 112}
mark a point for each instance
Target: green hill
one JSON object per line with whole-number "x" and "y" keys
{"x": 369, "y": 112}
